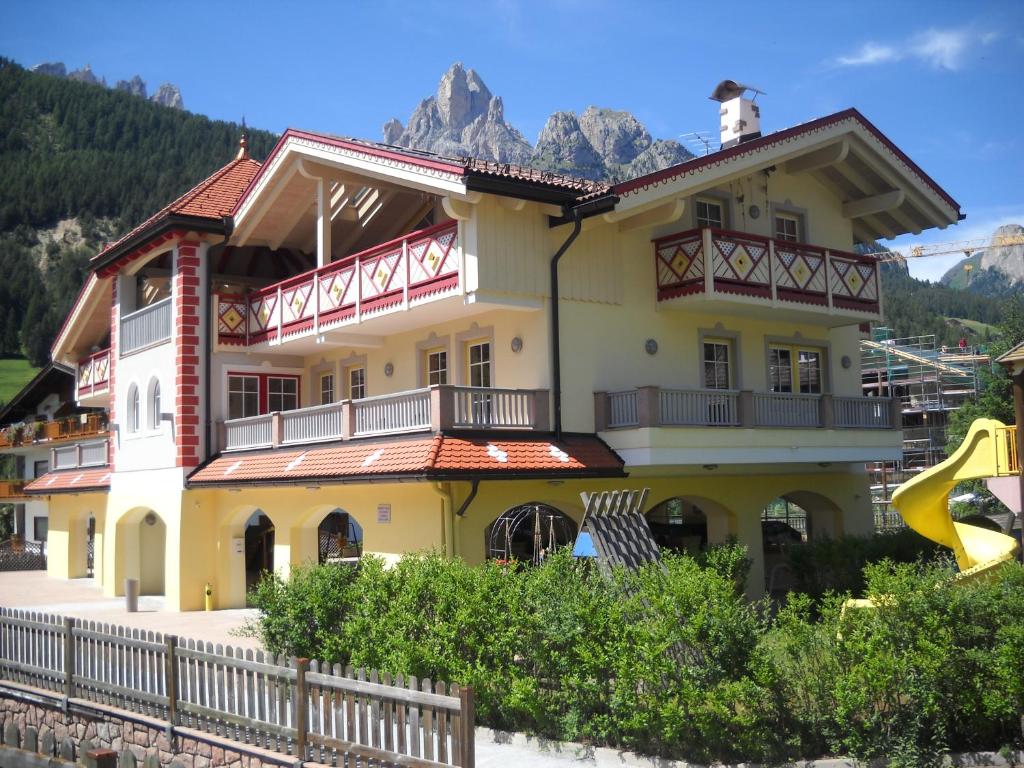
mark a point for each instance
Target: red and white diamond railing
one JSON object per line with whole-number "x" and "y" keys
{"x": 710, "y": 261}
{"x": 386, "y": 276}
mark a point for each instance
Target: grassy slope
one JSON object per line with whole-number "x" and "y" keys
{"x": 15, "y": 373}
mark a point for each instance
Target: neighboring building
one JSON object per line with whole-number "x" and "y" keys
{"x": 40, "y": 428}
{"x": 353, "y": 348}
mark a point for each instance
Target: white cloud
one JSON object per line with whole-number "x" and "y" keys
{"x": 939, "y": 48}
{"x": 869, "y": 53}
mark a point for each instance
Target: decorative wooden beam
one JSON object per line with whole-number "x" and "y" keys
{"x": 511, "y": 203}
{"x": 291, "y": 219}
{"x": 866, "y": 206}
{"x": 872, "y": 222}
{"x": 820, "y": 158}
{"x": 323, "y": 223}
{"x": 663, "y": 214}
{"x": 457, "y": 209}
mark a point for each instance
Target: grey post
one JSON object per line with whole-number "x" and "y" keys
{"x": 69, "y": 660}
{"x": 171, "y": 676}
{"x": 301, "y": 704}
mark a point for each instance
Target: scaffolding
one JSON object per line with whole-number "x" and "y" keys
{"x": 931, "y": 382}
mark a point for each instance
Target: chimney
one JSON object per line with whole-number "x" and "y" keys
{"x": 741, "y": 117}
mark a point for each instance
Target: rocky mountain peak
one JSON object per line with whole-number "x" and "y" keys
{"x": 169, "y": 96}
{"x": 51, "y": 68}
{"x": 136, "y": 86}
{"x": 464, "y": 119}
{"x": 1009, "y": 258}
{"x": 85, "y": 75}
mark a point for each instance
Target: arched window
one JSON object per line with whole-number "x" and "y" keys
{"x": 134, "y": 409}
{"x": 528, "y": 533}
{"x": 154, "y": 403}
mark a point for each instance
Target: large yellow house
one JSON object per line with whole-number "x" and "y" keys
{"x": 357, "y": 348}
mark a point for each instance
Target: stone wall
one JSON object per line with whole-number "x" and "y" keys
{"x": 138, "y": 740}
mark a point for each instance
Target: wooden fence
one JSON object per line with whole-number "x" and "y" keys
{"x": 311, "y": 710}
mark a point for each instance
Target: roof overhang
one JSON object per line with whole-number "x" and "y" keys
{"x": 89, "y": 318}
{"x": 883, "y": 192}
{"x": 170, "y": 223}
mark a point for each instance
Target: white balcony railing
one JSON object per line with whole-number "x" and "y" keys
{"x": 493, "y": 408}
{"x": 434, "y": 409}
{"x": 85, "y": 454}
{"x": 392, "y": 414}
{"x": 655, "y": 407}
{"x": 715, "y": 408}
{"x": 785, "y": 410}
{"x": 146, "y": 327}
{"x": 250, "y": 432}
{"x": 313, "y": 424}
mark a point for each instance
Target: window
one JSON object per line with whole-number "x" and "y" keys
{"x": 243, "y": 396}
{"x": 40, "y": 468}
{"x": 787, "y": 227}
{"x": 356, "y": 382}
{"x": 436, "y": 366}
{"x": 282, "y": 393}
{"x": 804, "y": 378}
{"x": 809, "y": 371}
{"x": 154, "y": 404}
{"x": 134, "y": 409}
{"x": 327, "y": 388}
{"x": 717, "y": 374}
{"x": 710, "y": 213}
{"x": 40, "y": 528}
{"x": 479, "y": 356}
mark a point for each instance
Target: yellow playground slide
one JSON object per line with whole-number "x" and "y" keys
{"x": 989, "y": 450}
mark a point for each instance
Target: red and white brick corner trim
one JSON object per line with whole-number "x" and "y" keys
{"x": 186, "y": 291}
{"x": 112, "y": 382}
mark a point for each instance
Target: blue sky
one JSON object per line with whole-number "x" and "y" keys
{"x": 944, "y": 80}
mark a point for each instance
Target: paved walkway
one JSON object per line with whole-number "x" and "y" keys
{"x": 82, "y": 599}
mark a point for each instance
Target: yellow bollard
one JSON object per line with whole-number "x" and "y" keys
{"x": 209, "y": 596}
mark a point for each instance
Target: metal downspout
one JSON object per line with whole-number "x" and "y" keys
{"x": 556, "y": 356}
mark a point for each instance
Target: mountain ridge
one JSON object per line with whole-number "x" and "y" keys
{"x": 167, "y": 95}
{"x": 463, "y": 118}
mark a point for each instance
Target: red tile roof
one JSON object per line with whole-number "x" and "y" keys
{"x": 70, "y": 481}
{"x": 436, "y": 456}
{"x": 213, "y": 198}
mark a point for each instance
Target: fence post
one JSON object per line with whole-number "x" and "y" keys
{"x": 171, "y": 678}
{"x": 69, "y": 660}
{"x": 301, "y": 665}
{"x": 468, "y": 717}
{"x": 100, "y": 758}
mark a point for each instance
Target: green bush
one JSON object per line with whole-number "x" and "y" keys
{"x": 671, "y": 660}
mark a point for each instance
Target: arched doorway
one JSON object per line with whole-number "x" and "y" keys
{"x": 339, "y": 538}
{"x": 528, "y": 533}
{"x": 141, "y": 547}
{"x": 259, "y": 548}
{"x": 679, "y": 524}
{"x": 788, "y": 521}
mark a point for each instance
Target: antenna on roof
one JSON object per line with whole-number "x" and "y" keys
{"x": 701, "y": 141}
{"x": 243, "y": 143}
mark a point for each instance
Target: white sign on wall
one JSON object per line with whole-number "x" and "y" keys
{"x": 383, "y": 513}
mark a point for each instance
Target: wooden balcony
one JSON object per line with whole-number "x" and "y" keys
{"x": 715, "y": 265}
{"x": 93, "y": 376}
{"x": 389, "y": 277}
{"x": 656, "y": 407}
{"x": 12, "y": 489}
{"x": 434, "y": 409}
{"x": 57, "y": 431}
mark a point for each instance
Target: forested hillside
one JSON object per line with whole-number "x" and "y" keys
{"x": 71, "y": 150}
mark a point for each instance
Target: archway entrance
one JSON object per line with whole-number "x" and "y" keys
{"x": 259, "y": 548}
{"x": 339, "y": 538}
{"x": 528, "y": 533}
{"x": 140, "y": 546}
{"x": 679, "y": 525}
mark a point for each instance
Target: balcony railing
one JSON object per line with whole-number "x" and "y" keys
{"x": 712, "y": 262}
{"x": 12, "y": 489}
{"x": 146, "y": 327}
{"x": 88, "y": 454}
{"x": 93, "y": 374}
{"x": 69, "y": 428}
{"x": 389, "y": 276}
{"x": 432, "y": 409}
{"x": 656, "y": 407}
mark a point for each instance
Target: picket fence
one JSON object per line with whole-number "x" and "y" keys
{"x": 314, "y": 711}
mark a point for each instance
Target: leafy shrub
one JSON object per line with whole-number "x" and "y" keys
{"x": 671, "y": 660}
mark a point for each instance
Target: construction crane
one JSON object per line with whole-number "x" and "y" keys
{"x": 966, "y": 247}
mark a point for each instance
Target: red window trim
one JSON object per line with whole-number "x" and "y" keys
{"x": 263, "y": 388}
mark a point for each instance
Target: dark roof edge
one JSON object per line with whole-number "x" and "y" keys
{"x": 25, "y": 390}
{"x": 166, "y": 223}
